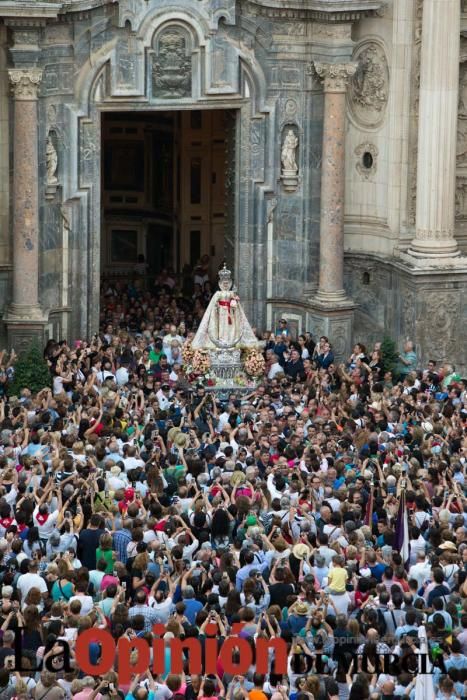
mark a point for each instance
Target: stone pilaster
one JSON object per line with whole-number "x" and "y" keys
{"x": 24, "y": 317}
{"x": 437, "y": 131}
{"x": 332, "y": 310}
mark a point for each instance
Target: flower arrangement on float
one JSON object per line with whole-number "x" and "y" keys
{"x": 187, "y": 354}
{"x": 201, "y": 362}
{"x": 254, "y": 363}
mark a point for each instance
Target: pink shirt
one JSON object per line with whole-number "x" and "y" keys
{"x": 85, "y": 694}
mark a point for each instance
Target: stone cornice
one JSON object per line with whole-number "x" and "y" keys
{"x": 319, "y": 10}
{"x": 29, "y": 12}
{"x": 84, "y": 5}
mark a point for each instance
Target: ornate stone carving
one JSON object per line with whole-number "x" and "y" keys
{"x": 367, "y": 154}
{"x": 461, "y": 146}
{"x": 414, "y": 99}
{"x": 51, "y": 160}
{"x": 461, "y": 198}
{"x": 340, "y": 338}
{"x": 438, "y": 323}
{"x": 330, "y": 31}
{"x": 171, "y": 74}
{"x": 289, "y": 171}
{"x": 271, "y": 205}
{"x": 290, "y": 107}
{"x": 368, "y": 91}
{"x": 336, "y": 76}
{"x": 408, "y": 311}
{"x": 25, "y": 82}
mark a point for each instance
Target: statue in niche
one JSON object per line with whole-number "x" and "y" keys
{"x": 51, "y": 160}
{"x": 289, "y": 147}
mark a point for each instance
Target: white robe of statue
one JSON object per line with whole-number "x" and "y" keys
{"x": 224, "y": 324}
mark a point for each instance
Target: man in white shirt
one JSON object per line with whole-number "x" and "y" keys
{"x": 131, "y": 461}
{"x": 169, "y": 338}
{"x": 31, "y": 580}
{"x": 420, "y": 571}
{"x": 275, "y": 368}
{"x": 44, "y": 521}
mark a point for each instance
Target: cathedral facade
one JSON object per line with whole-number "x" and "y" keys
{"x": 318, "y": 146}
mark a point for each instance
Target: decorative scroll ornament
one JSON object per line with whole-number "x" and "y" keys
{"x": 172, "y": 67}
{"x": 336, "y": 76}
{"x": 25, "y": 82}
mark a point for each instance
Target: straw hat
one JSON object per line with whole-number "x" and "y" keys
{"x": 300, "y": 550}
{"x": 115, "y": 471}
{"x": 448, "y": 545}
{"x": 173, "y": 432}
{"x": 301, "y": 608}
{"x": 181, "y": 439}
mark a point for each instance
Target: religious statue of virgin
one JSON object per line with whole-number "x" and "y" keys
{"x": 224, "y": 324}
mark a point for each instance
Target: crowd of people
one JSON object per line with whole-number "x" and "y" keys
{"x": 132, "y": 496}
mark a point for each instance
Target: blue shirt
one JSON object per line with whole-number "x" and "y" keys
{"x": 377, "y": 571}
{"x": 245, "y": 571}
{"x": 192, "y": 608}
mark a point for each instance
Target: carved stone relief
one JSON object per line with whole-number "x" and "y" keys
{"x": 290, "y": 107}
{"x": 340, "y": 336}
{"x": 171, "y": 71}
{"x": 438, "y": 324}
{"x": 408, "y": 311}
{"x": 367, "y": 155}
{"x": 461, "y": 151}
{"x": 414, "y": 100}
{"x": 369, "y": 88}
{"x": 461, "y": 198}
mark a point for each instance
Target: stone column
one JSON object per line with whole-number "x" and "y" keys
{"x": 24, "y": 313}
{"x": 331, "y": 311}
{"x": 331, "y": 257}
{"x": 437, "y": 130}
